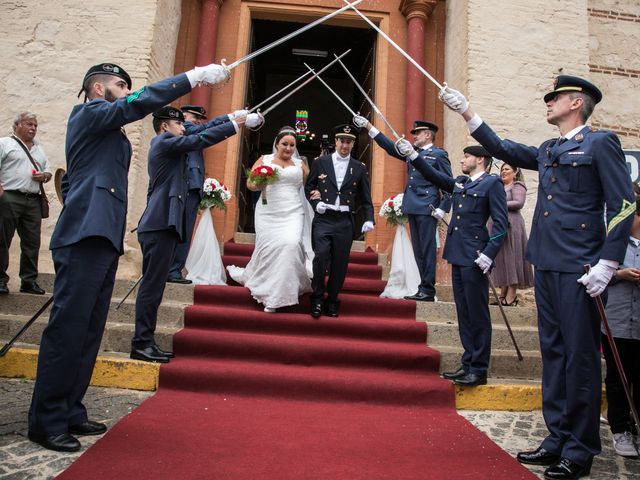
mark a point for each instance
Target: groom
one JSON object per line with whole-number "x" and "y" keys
{"x": 336, "y": 186}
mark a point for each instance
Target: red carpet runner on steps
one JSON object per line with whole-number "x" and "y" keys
{"x": 252, "y": 395}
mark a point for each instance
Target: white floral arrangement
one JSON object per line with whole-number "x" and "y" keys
{"x": 391, "y": 210}
{"x": 215, "y": 194}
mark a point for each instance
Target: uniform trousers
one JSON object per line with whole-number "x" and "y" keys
{"x": 331, "y": 236}
{"x": 158, "y": 248}
{"x": 618, "y": 410}
{"x": 182, "y": 249}
{"x": 85, "y": 275}
{"x": 471, "y": 295}
{"x": 20, "y": 212}
{"x": 569, "y": 329}
{"x": 423, "y": 241}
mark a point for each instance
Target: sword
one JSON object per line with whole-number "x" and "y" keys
{"x": 331, "y": 89}
{"x": 288, "y": 37}
{"x": 24, "y": 328}
{"x": 504, "y": 315}
{"x": 395, "y": 45}
{"x": 616, "y": 355}
{"x": 308, "y": 80}
{"x": 129, "y": 292}
{"x": 279, "y": 92}
{"x": 373, "y": 105}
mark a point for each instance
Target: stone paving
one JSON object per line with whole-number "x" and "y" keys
{"x": 21, "y": 459}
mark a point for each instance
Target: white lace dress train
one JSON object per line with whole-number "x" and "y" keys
{"x": 404, "y": 277}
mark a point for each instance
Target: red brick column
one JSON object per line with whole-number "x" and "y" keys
{"x": 206, "y": 46}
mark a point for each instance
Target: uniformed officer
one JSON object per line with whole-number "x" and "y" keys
{"x": 343, "y": 185}
{"x": 422, "y": 202}
{"x": 162, "y": 224}
{"x": 476, "y": 196}
{"x": 195, "y": 121}
{"x": 579, "y": 174}
{"x": 87, "y": 241}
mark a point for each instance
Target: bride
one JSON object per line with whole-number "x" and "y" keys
{"x": 278, "y": 272}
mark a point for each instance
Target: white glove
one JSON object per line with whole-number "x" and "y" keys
{"x": 598, "y": 278}
{"x": 238, "y": 114}
{"x": 454, "y": 100}
{"x": 209, "y": 75}
{"x": 483, "y": 262}
{"x": 438, "y": 213}
{"x": 367, "y": 226}
{"x": 404, "y": 148}
{"x": 321, "y": 207}
{"x": 254, "y": 120}
{"x": 360, "y": 121}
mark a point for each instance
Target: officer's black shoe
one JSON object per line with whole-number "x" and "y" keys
{"x": 178, "y": 280}
{"x": 149, "y": 354}
{"x": 471, "y": 380}
{"x": 420, "y": 297}
{"x": 461, "y": 372}
{"x": 567, "y": 469}
{"x": 538, "y": 456}
{"x": 316, "y": 310}
{"x": 164, "y": 352}
{"x": 4, "y": 290}
{"x": 31, "y": 287}
{"x": 331, "y": 309}
{"x": 88, "y": 428}
{"x": 60, "y": 443}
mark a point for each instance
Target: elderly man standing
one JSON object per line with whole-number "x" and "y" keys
{"x": 23, "y": 169}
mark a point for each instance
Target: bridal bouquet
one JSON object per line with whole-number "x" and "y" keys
{"x": 215, "y": 194}
{"x": 391, "y": 210}
{"x": 263, "y": 175}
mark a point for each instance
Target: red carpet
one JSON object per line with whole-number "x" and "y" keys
{"x": 252, "y": 395}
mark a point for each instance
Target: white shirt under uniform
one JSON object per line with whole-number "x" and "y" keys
{"x": 340, "y": 165}
{"x": 16, "y": 168}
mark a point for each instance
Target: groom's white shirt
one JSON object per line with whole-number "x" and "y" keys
{"x": 340, "y": 165}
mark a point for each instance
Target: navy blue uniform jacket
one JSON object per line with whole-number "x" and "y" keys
{"x": 576, "y": 180}
{"x": 167, "y": 186}
{"x": 473, "y": 203}
{"x": 98, "y": 155}
{"x": 419, "y": 192}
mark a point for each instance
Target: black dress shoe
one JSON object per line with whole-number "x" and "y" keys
{"x": 471, "y": 380}
{"x": 461, "y": 372}
{"x": 164, "y": 352}
{"x": 31, "y": 287}
{"x": 567, "y": 469}
{"x": 420, "y": 297}
{"x": 178, "y": 280}
{"x": 331, "y": 309}
{"x": 4, "y": 290}
{"x": 60, "y": 443}
{"x": 149, "y": 354}
{"x": 537, "y": 457}
{"x": 316, "y": 310}
{"x": 88, "y": 428}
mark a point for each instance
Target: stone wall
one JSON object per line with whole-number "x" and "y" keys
{"x": 48, "y": 47}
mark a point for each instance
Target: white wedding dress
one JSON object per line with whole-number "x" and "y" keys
{"x": 277, "y": 273}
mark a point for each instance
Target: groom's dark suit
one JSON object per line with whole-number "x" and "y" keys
{"x": 332, "y": 231}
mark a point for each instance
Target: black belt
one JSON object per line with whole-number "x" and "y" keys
{"x": 24, "y": 194}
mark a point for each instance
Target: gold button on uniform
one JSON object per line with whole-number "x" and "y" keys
{"x": 458, "y": 217}
{"x": 455, "y": 228}
{"x": 549, "y": 197}
{"x": 554, "y": 179}
{"x": 584, "y": 225}
{"x": 574, "y": 164}
{"x": 459, "y": 205}
{"x": 113, "y": 190}
{"x": 555, "y": 164}
{"x": 546, "y": 214}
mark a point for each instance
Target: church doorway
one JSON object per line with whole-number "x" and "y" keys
{"x": 313, "y": 104}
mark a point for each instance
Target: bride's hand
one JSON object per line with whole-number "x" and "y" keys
{"x": 315, "y": 195}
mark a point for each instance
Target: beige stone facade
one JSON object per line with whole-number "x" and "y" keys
{"x": 503, "y": 55}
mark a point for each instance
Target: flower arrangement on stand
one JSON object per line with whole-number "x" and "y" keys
{"x": 215, "y": 195}
{"x": 391, "y": 210}
{"x": 263, "y": 175}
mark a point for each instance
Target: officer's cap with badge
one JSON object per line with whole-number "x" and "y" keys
{"x": 420, "y": 125}
{"x": 345, "y": 131}
{"x": 106, "y": 69}
{"x": 168, "y": 113}
{"x": 568, "y": 83}
{"x": 196, "y": 110}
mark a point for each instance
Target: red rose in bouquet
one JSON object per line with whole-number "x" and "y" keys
{"x": 263, "y": 175}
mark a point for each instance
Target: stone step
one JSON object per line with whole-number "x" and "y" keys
{"x": 504, "y": 363}
{"x": 444, "y": 312}
{"x": 440, "y": 333}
